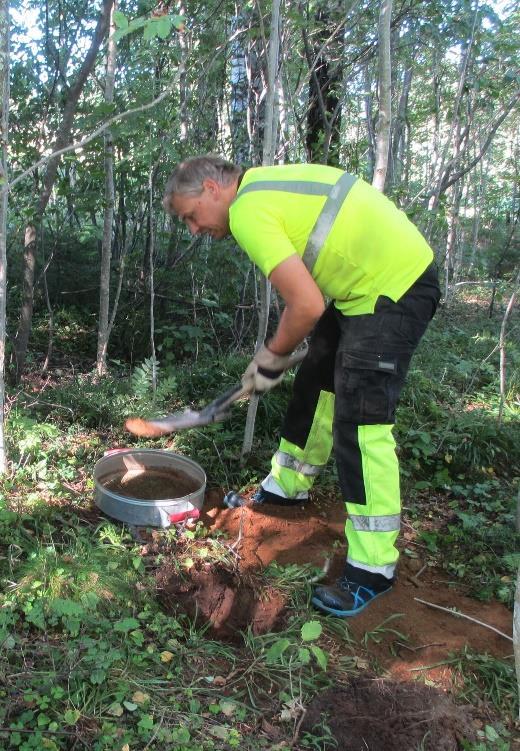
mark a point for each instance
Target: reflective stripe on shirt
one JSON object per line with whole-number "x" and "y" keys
{"x": 326, "y": 217}
{"x": 304, "y": 187}
{"x": 336, "y": 195}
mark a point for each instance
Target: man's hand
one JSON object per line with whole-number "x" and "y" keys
{"x": 265, "y": 370}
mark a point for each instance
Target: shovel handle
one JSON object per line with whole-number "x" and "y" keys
{"x": 297, "y": 357}
{"x": 189, "y": 418}
{"x": 239, "y": 390}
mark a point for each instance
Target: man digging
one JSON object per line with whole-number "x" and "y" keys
{"x": 315, "y": 232}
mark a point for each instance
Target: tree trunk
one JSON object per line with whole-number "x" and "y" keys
{"x": 502, "y": 346}
{"x": 398, "y": 148}
{"x": 151, "y": 261}
{"x": 384, "y": 120}
{"x": 4, "y": 186}
{"x": 453, "y": 140}
{"x": 270, "y": 138}
{"x": 371, "y": 151}
{"x": 62, "y": 139}
{"x": 108, "y": 223}
{"x": 324, "y": 111}
{"x": 453, "y": 220}
{"x": 239, "y": 91}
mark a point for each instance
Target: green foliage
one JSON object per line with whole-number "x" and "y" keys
{"x": 159, "y": 26}
{"x": 320, "y": 739}
{"x": 493, "y": 739}
{"x": 485, "y": 675}
{"x": 290, "y": 647}
{"x": 143, "y": 386}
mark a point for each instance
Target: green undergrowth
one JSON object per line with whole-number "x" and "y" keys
{"x": 90, "y": 658}
{"x": 88, "y": 655}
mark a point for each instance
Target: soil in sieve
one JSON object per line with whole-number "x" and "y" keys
{"x": 150, "y": 484}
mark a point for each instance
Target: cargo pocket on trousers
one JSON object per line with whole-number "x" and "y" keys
{"x": 365, "y": 393}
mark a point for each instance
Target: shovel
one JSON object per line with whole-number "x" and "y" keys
{"x": 215, "y": 411}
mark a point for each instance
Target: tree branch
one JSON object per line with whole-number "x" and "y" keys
{"x": 95, "y": 133}
{"x": 476, "y": 159}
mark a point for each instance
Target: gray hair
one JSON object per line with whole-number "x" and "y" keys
{"x": 188, "y": 176}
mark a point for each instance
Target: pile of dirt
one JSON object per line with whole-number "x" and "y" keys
{"x": 228, "y": 601}
{"x": 372, "y": 713}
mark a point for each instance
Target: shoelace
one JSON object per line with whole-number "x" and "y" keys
{"x": 346, "y": 585}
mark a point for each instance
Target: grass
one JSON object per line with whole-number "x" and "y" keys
{"x": 90, "y": 659}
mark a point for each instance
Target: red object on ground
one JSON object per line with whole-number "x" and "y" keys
{"x": 184, "y": 515}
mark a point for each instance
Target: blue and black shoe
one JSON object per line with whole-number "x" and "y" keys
{"x": 352, "y": 593}
{"x": 260, "y": 496}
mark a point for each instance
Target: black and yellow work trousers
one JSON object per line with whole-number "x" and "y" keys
{"x": 345, "y": 396}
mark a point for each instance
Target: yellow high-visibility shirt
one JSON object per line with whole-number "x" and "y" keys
{"x": 372, "y": 248}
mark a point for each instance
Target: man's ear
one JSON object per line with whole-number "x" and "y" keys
{"x": 212, "y": 186}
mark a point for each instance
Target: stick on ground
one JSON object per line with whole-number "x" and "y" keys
{"x": 462, "y": 615}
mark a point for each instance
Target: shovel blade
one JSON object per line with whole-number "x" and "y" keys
{"x": 188, "y": 418}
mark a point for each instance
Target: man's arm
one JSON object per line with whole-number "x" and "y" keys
{"x": 303, "y": 304}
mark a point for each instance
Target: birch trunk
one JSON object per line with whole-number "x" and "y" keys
{"x": 108, "y": 222}
{"x": 239, "y": 100}
{"x": 384, "y": 120}
{"x": 151, "y": 248}
{"x": 4, "y": 186}
{"x": 269, "y": 149}
{"x": 502, "y": 347}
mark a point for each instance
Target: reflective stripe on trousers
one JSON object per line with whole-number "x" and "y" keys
{"x": 389, "y": 523}
{"x": 372, "y": 527}
{"x": 294, "y": 469}
{"x": 290, "y": 471}
{"x": 283, "y": 459}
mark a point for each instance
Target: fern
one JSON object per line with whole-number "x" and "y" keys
{"x": 142, "y": 382}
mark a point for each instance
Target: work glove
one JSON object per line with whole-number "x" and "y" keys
{"x": 265, "y": 370}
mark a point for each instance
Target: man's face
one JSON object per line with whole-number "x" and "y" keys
{"x": 205, "y": 214}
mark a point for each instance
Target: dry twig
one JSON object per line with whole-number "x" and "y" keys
{"x": 463, "y": 615}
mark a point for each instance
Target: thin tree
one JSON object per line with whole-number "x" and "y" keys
{"x": 269, "y": 149}
{"x": 4, "y": 186}
{"x": 384, "y": 120}
{"x": 108, "y": 222}
{"x": 502, "y": 346}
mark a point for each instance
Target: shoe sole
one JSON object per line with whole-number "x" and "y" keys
{"x": 346, "y": 613}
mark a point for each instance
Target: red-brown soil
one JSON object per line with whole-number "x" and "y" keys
{"x": 228, "y": 600}
{"x": 307, "y": 535}
{"x": 394, "y": 713}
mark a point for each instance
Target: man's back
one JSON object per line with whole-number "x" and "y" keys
{"x": 371, "y": 249}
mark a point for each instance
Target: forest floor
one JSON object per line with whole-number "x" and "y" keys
{"x": 202, "y": 637}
